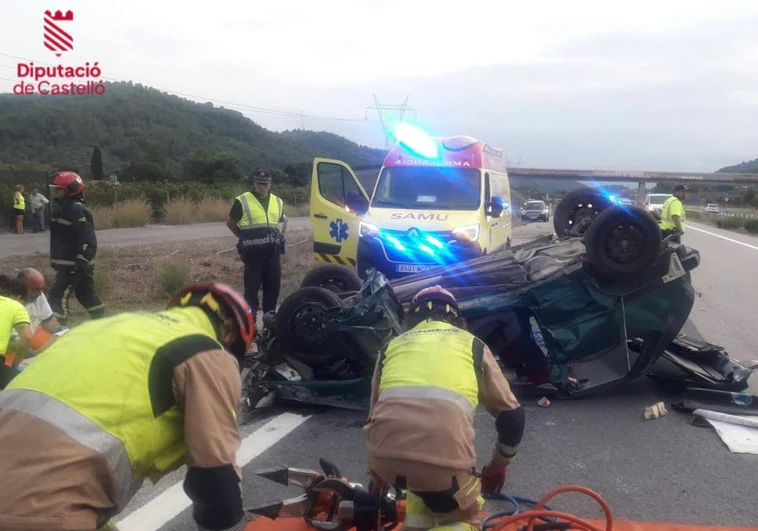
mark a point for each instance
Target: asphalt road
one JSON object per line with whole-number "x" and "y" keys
{"x": 648, "y": 470}
{"x": 14, "y": 244}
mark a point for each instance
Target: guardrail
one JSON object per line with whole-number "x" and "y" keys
{"x": 724, "y": 214}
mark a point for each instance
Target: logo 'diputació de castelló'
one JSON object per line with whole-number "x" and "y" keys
{"x": 59, "y": 80}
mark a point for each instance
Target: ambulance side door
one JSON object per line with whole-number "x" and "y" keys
{"x": 338, "y": 202}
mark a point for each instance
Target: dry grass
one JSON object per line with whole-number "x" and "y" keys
{"x": 178, "y": 212}
{"x": 131, "y": 213}
{"x": 183, "y": 211}
{"x": 140, "y": 277}
{"x": 212, "y": 210}
{"x": 297, "y": 211}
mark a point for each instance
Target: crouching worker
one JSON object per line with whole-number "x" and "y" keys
{"x": 426, "y": 387}
{"x": 121, "y": 399}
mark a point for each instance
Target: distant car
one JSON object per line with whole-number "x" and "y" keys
{"x": 535, "y": 210}
{"x": 711, "y": 208}
{"x": 654, "y": 204}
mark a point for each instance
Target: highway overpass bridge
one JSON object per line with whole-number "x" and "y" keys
{"x": 640, "y": 177}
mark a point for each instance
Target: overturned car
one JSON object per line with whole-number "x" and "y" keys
{"x": 597, "y": 304}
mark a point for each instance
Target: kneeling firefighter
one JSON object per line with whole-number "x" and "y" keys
{"x": 124, "y": 398}
{"x": 420, "y": 432}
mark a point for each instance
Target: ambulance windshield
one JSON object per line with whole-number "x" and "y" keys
{"x": 428, "y": 188}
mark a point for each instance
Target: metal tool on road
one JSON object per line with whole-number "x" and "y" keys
{"x": 332, "y": 503}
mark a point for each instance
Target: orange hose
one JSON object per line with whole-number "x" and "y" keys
{"x": 540, "y": 512}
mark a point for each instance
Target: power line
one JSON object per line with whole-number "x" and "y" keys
{"x": 280, "y": 112}
{"x": 386, "y": 127}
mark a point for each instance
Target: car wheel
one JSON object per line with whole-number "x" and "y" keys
{"x": 622, "y": 241}
{"x": 298, "y": 319}
{"x": 334, "y": 277}
{"x": 577, "y": 209}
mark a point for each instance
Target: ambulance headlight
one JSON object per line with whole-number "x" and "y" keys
{"x": 368, "y": 230}
{"x": 468, "y": 232}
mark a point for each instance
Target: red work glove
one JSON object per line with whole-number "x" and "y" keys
{"x": 493, "y": 479}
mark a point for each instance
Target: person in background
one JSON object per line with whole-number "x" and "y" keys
{"x": 673, "y": 216}
{"x": 13, "y": 318}
{"x": 32, "y": 284}
{"x": 254, "y": 218}
{"x": 73, "y": 246}
{"x": 19, "y": 207}
{"x": 38, "y": 203}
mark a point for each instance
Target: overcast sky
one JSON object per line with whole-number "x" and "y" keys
{"x": 664, "y": 84}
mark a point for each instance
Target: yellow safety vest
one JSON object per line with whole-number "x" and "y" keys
{"x": 433, "y": 360}
{"x": 258, "y": 227}
{"x": 18, "y": 201}
{"x": 667, "y": 222}
{"x": 107, "y": 384}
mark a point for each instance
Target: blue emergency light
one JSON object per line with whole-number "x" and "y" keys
{"x": 416, "y": 140}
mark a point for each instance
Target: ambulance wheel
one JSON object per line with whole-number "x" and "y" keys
{"x": 577, "y": 209}
{"x": 334, "y": 277}
{"x": 622, "y": 242}
{"x": 298, "y": 320}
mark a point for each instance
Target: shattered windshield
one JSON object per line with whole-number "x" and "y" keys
{"x": 430, "y": 188}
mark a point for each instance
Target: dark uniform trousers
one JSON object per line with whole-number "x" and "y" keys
{"x": 263, "y": 269}
{"x": 82, "y": 284}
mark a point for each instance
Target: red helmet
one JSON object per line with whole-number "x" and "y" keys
{"x": 224, "y": 302}
{"x": 69, "y": 181}
{"x": 435, "y": 297}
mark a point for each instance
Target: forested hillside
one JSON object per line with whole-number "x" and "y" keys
{"x": 750, "y": 166}
{"x": 142, "y": 130}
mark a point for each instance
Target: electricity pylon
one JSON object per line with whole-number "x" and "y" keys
{"x": 387, "y": 124}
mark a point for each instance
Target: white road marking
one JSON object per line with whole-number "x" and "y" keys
{"x": 166, "y": 506}
{"x": 723, "y": 237}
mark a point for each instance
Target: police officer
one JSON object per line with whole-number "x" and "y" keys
{"x": 73, "y": 246}
{"x": 123, "y": 399}
{"x": 424, "y": 393}
{"x": 673, "y": 215}
{"x": 254, "y": 219}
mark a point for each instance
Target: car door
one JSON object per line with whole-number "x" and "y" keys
{"x": 338, "y": 202}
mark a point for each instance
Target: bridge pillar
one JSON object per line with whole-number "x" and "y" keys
{"x": 641, "y": 194}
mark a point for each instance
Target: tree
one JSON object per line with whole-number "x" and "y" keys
{"x": 210, "y": 167}
{"x": 96, "y": 165}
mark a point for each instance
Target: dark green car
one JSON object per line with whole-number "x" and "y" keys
{"x": 601, "y": 302}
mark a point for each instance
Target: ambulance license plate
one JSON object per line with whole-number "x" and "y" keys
{"x": 411, "y": 268}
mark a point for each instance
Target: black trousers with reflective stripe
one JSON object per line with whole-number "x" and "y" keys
{"x": 82, "y": 285}
{"x": 263, "y": 269}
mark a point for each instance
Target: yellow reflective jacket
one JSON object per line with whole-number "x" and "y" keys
{"x": 672, "y": 207}
{"x": 258, "y": 227}
{"x": 116, "y": 398}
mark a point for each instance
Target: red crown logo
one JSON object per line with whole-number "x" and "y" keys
{"x": 59, "y": 16}
{"x": 58, "y": 40}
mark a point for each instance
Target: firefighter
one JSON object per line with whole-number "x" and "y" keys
{"x": 123, "y": 399}
{"x": 73, "y": 246}
{"x": 420, "y": 432}
{"x": 254, "y": 219}
{"x": 673, "y": 216}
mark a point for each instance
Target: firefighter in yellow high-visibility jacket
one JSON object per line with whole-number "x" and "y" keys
{"x": 425, "y": 390}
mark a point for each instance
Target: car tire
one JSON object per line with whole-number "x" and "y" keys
{"x": 622, "y": 242}
{"x": 334, "y": 277}
{"x": 579, "y": 205}
{"x": 291, "y": 326}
